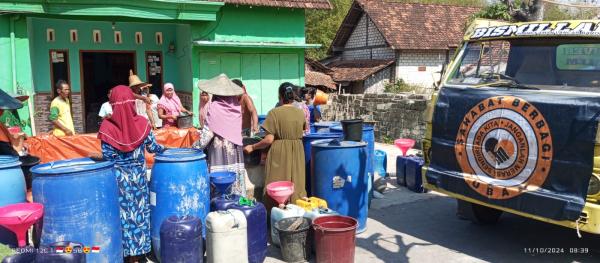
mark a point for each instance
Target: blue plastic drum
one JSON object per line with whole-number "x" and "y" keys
{"x": 12, "y": 191}
{"x": 80, "y": 198}
{"x": 340, "y": 177}
{"x": 179, "y": 187}
{"x": 307, "y": 140}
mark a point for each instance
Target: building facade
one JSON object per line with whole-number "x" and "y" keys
{"x": 380, "y": 41}
{"x": 94, "y": 45}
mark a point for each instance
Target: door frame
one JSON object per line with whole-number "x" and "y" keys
{"x": 81, "y": 75}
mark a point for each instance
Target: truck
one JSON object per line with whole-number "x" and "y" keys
{"x": 513, "y": 126}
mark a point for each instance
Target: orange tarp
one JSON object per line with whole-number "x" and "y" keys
{"x": 50, "y": 148}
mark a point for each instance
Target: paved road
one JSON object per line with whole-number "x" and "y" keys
{"x": 409, "y": 227}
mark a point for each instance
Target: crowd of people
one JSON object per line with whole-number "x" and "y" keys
{"x": 226, "y": 114}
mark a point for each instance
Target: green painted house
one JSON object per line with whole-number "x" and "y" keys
{"x": 93, "y": 44}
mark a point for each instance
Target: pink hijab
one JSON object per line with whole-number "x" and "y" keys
{"x": 170, "y": 105}
{"x": 224, "y": 118}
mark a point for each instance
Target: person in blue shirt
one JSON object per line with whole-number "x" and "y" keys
{"x": 315, "y": 110}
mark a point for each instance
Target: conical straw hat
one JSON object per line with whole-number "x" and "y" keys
{"x": 8, "y": 102}
{"x": 221, "y": 86}
{"x": 135, "y": 81}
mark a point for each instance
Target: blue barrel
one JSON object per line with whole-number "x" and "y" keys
{"x": 50, "y": 254}
{"x": 368, "y": 136}
{"x": 179, "y": 186}
{"x": 12, "y": 191}
{"x": 181, "y": 240}
{"x": 340, "y": 177}
{"x": 261, "y": 119}
{"x": 81, "y": 203}
{"x": 256, "y": 218}
{"x": 323, "y": 126}
{"x": 12, "y": 181}
{"x": 307, "y": 140}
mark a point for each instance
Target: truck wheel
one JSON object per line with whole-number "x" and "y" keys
{"x": 477, "y": 213}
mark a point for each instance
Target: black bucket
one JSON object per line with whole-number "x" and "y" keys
{"x": 352, "y": 130}
{"x": 295, "y": 243}
{"x": 27, "y": 162}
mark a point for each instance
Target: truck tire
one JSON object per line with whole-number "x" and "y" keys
{"x": 477, "y": 213}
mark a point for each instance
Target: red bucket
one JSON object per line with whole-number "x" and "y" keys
{"x": 335, "y": 239}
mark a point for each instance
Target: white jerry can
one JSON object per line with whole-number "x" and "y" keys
{"x": 226, "y": 237}
{"x": 319, "y": 212}
{"x": 277, "y": 214}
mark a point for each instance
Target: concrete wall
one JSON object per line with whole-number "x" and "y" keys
{"x": 364, "y": 36}
{"x": 420, "y": 67}
{"x": 396, "y": 115}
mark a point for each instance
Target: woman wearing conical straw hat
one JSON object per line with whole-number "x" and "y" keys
{"x": 143, "y": 103}
{"x": 222, "y": 132}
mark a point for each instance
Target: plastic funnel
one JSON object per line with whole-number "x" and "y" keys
{"x": 404, "y": 145}
{"x": 19, "y": 217}
{"x": 222, "y": 181}
{"x": 280, "y": 191}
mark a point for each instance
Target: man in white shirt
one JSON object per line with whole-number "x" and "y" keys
{"x": 106, "y": 109}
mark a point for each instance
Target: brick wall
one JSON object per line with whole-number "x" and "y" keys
{"x": 42, "y": 112}
{"x": 409, "y": 62}
{"x": 366, "y": 34}
{"x": 396, "y": 115}
{"x": 376, "y": 83}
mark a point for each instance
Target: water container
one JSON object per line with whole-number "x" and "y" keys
{"x": 414, "y": 179}
{"x": 295, "y": 238}
{"x": 58, "y": 252}
{"x": 335, "y": 239}
{"x": 368, "y": 136}
{"x": 401, "y": 169}
{"x": 323, "y": 126}
{"x": 340, "y": 177}
{"x": 223, "y": 203}
{"x": 312, "y": 203}
{"x": 306, "y": 141}
{"x": 256, "y": 218}
{"x": 12, "y": 191}
{"x": 12, "y": 181}
{"x": 226, "y": 237}
{"x": 80, "y": 199}
{"x": 277, "y": 214}
{"x": 319, "y": 212}
{"x": 181, "y": 240}
{"x": 261, "y": 119}
{"x": 179, "y": 186}
{"x": 380, "y": 163}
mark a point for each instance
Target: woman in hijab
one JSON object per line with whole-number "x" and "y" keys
{"x": 170, "y": 107}
{"x": 204, "y": 104}
{"x": 124, "y": 138}
{"x": 285, "y": 126}
{"x": 222, "y": 134}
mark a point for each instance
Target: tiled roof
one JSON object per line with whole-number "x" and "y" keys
{"x": 356, "y": 70}
{"x": 306, "y": 4}
{"x": 409, "y": 25}
{"x": 316, "y": 79}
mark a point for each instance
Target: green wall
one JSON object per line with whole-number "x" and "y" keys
{"x": 256, "y": 24}
{"x": 172, "y": 63}
{"x": 17, "y": 26}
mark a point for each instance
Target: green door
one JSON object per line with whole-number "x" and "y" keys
{"x": 261, "y": 73}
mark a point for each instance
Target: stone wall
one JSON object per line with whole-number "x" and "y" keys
{"x": 376, "y": 83}
{"x": 395, "y": 115}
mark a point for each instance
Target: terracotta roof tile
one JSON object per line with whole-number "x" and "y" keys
{"x": 409, "y": 25}
{"x": 316, "y": 79}
{"x": 356, "y": 70}
{"x": 306, "y": 4}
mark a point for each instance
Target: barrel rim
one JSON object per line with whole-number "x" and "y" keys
{"x": 323, "y": 135}
{"x": 9, "y": 161}
{"x": 324, "y": 143}
{"x": 338, "y": 128}
{"x": 191, "y": 155}
{"x": 83, "y": 165}
{"x": 317, "y": 227}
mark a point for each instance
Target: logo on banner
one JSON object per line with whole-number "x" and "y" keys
{"x": 504, "y": 147}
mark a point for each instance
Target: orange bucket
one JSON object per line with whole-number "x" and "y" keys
{"x": 320, "y": 98}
